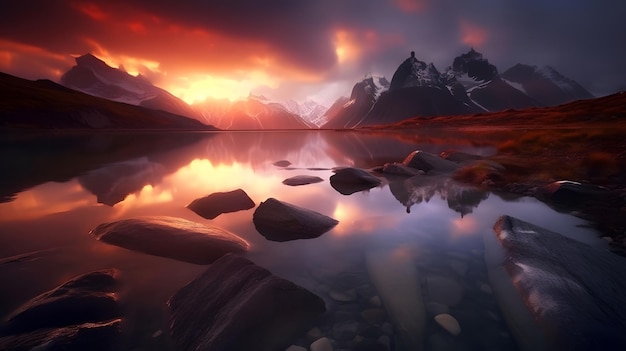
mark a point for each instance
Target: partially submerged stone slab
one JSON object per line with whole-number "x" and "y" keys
{"x": 215, "y": 204}
{"x": 87, "y": 298}
{"x": 575, "y": 292}
{"x": 236, "y": 305}
{"x": 569, "y": 193}
{"x": 401, "y": 169}
{"x": 280, "y": 221}
{"x": 171, "y": 237}
{"x": 350, "y": 180}
{"x": 302, "y": 180}
{"x": 429, "y": 163}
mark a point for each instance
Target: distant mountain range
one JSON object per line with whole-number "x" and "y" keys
{"x": 470, "y": 85}
{"x": 45, "y": 104}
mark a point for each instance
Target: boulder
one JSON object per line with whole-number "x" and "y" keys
{"x": 102, "y": 336}
{"x": 236, "y": 305}
{"x": 215, "y": 204}
{"x": 430, "y": 163}
{"x": 171, "y": 237}
{"x": 574, "y": 292}
{"x": 302, "y": 180}
{"x": 87, "y": 298}
{"x": 459, "y": 156}
{"x": 400, "y": 169}
{"x": 570, "y": 194}
{"x": 351, "y": 180}
{"x": 281, "y": 221}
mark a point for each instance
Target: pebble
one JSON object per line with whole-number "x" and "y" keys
{"x": 157, "y": 333}
{"x": 296, "y": 348}
{"x": 375, "y": 301}
{"x": 449, "y": 323}
{"x": 608, "y": 239}
{"x": 345, "y": 330}
{"x": 343, "y": 296}
{"x": 322, "y": 344}
{"x": 314, "y": 333}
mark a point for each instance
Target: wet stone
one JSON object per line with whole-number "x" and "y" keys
{"x": 449, "y": 323}
{"x": 345, "y": 330}
{"x": 343, "y": 296}
{"x": 302, "y": 180}
{"x": 296, "y": 348}
{"x": 215, "y": 204}
{"x": 282, "y": 163}
{"x": 322, "y": 344}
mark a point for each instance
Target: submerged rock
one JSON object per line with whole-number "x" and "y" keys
{"x": 236, "y": 305}
{"x": 215, "y": 204}
{"x": 102, "y": 336}
{"x": 281, "y": 221}
{"x": 87, "y": 298}
{"x": 569, "y": 193}
{"x": 429, "y": 163}
{"x": 574, "y": 292}
{"x": 449, "y": 323}
{"x": 171, "y": 237}
{"x": 351, "y": 180}
{"x": 302, "y": 180}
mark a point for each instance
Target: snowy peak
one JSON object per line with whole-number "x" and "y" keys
{"x": 415, "y": 73}
{"x": 471, "y": 68}
{"x": 309, "y": 110}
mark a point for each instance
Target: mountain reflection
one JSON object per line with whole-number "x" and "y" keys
{"x": 415, "y": 190}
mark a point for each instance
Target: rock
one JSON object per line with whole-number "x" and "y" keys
{"x": 371, "y": 345}
{"x": 351, "y": 180}
{"x": 302, "y": 180}
{"x": 395, "y": 277}
{"x": 345, "y": 330}
{"x": 572, "y": 290}
{"x": 314, "y": 333}
{"x": 215, "y": 204}
{"x": 171, "y": 237}
{"x": 375, "y": 301}
{"x": 322, "y": 344}
{"x": 444, "y": 290}
{"x": 87, "y": 298}
{"x": 571, "y": 194}
{"x": 296, "y": 348}
{"x": 343, "y": 296}
{"x": 102, "y": 336}
{"x": 373, "y": 315}
{"x": 237, "y": 305}
{"x": 282, "y": 163}
{"x": 281, "y": 221}
{"x": 401, "y": 169}
{"x": 449, "y": 323}
{"x": 429, "y": 163}
{"x": 459, "y": 157}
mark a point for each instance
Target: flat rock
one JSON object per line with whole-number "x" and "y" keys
{"x": 401, "y": 169}
{"x": 569, "y": 193}
{"x": 236, "y": 305}
{"x": 429, "y": 163}
{"x": 350, "y": 180}
{"x": 101, "y": 336}
{"x": 302, "y": 180}
{"x": 574, "y": 292}
{"x": 459, "y": 156}
{"x": 449, "y": 323}
{"x": 281, "y": 221}
{"x": 215, "y": 204}
{"x": 322, "y": 344}
{"x": 86, "y": 298}
{"x": 171, "y": 237}
{"x": 282, "y": 163}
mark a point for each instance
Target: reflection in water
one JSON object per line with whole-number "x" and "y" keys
{"x": 55, "y": 188}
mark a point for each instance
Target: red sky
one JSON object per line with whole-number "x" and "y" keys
{"x": 301, "y": 48}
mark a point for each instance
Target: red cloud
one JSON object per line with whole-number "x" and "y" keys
{"x": 472, "y": 35}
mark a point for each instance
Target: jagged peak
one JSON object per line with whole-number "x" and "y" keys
{"x": 89, "y": 59}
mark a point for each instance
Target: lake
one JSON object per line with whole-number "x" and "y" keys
{"x": 405, "y": 240}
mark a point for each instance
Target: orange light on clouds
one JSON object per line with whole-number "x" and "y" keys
{"x": 92, "y": 10}
{"x": 411, "y": 6}
{"x": 464, "y": 226}
{"x": 472, "y": 35}
{"x": 346, "y": 48}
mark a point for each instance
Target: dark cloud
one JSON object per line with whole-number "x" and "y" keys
{"x": 581, "y": 39}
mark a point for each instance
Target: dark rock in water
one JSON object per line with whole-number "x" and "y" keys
{"x": 351, "y": 180}
{"x": 568, "y": 193}
{"x": 429, "y": 163}
{"x": 401, "y": 169}
{"x": 103, "y": 336}
{"x": 460, "y": 157}
{"x": 282, "y": 163}
{"x": 280, "y": 221}
{"x": 215, "y": 204}
{"x": 171, "y": 237}
{"x": 236, "y": 305}
{"x": 302, "y": 180}
{"x": 575, "y": 292}
{"x": 86, "y": 298}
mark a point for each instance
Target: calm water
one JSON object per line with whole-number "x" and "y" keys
{"x": 427, "y": 233}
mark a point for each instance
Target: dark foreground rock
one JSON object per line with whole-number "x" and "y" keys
{"x": 236, "y": 305}
{"x": 460, "y": 157}
{"x": 302, "y": 180}
{"x": 215, "y": 204}
{"x": 102, "y": 336}
{"x": 566, "y": 193}
{"x": 429, "y": 163}
{"x": 86, "y": 298}
{"x": 350, "y": 180}
{"x": 282, "y": 163}
{"x": 281, "y": 221}
{"x": 573, "y": 291}
{"x": 171, "y": 237}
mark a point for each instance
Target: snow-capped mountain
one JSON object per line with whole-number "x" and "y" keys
{"x": 309, "y": 110}
{"x": 94, "y": 77}
{"x": 348, "y": 114}
{"x": 415, "y": 73}
{"x": 545, "y": 84}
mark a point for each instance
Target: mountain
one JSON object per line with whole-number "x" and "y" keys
{"x": 254, "y": 113}
{"x": 94, "y": 77}
{"x": 309, "y": 110}
{"x": 483, "y": 85}
{"x": 45, "y": 104}
{"x": 545, "y": 84}
{"x": 348, "y": 114}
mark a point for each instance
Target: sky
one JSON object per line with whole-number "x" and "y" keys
{"x": 303, "y": 49}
